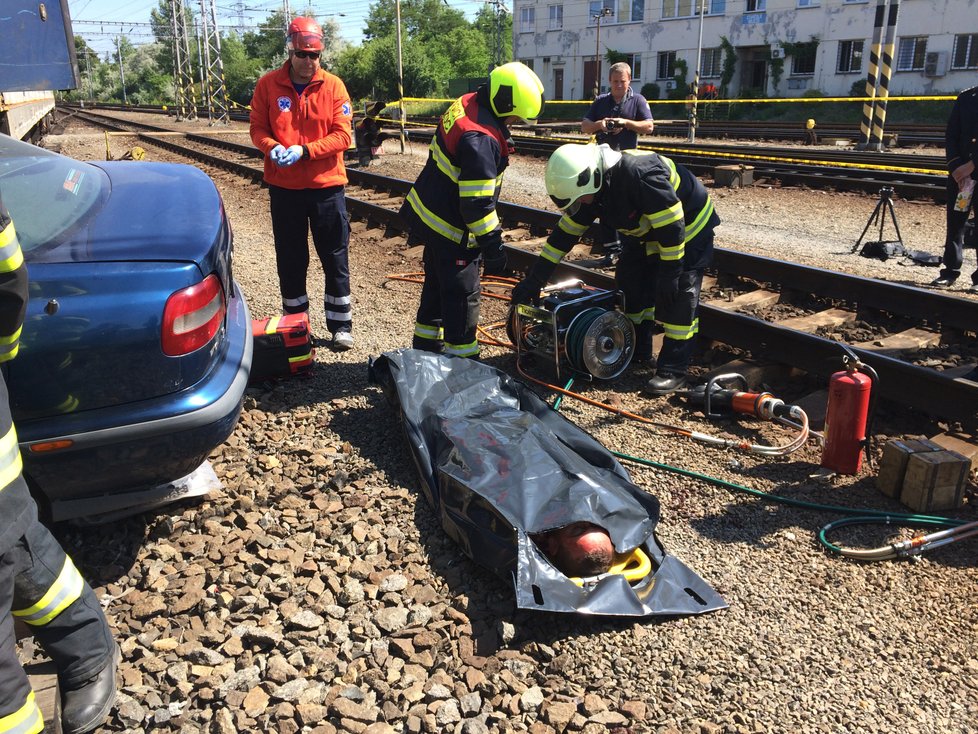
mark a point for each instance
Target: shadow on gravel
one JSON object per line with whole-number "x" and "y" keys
{"x": 762, "y": 524}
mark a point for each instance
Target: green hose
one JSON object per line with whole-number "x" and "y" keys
{"x": 861, "y": 517}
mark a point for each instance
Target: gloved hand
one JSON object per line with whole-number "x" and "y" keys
{"x": 667, "y": 288}
{"x": 493, "y": 255}
{"x": 495, "y": 265}
{"x": 276, "y": 154}
{"x": 292, "y": 154}
{"x": 526, "y": 291}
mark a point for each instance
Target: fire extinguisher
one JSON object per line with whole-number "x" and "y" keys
{"x": 848, "y": 415}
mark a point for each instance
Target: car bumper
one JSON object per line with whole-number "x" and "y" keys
{"x": 124, "y": 449}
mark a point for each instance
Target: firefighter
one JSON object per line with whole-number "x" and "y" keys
{"x": 38, "y": 582}
{"x": 666, "y": 219}
{"x": 451, "y": 208}
{"x": 301, "y": 119}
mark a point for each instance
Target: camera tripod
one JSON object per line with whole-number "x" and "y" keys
{"x": 884, "y": 205}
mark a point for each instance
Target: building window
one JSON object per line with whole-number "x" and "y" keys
{"x": 690, "y": 8}
{"x": 527, "y": 19}
{"x": 556, "y": 17}
{"x": 754, "y": 6}
{"x": 528, "y": 63}
{"x": 803, "y": 60}
{"x": 807, "y": 3}
{"x": 666, "y": 66}
{"x": 965, "y": 52}
{"x": 630, "y": 11}
{"x": 711, "y": 62}
{"x": 595, "y": 7}
{"x": 635, "y": 62}
{"x": 911, "y": 53}
{"x": 850, "y": 57}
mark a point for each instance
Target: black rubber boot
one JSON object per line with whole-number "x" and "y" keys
{"x": 665, "y": 383}
{"x": 87, "y": 707}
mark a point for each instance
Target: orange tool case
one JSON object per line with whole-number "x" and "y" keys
{"x": 283, "y": 347}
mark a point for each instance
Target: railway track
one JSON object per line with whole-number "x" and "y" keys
{"x": 796, "y": 315}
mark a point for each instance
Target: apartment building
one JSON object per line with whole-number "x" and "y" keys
{"x": 777, "y": 48}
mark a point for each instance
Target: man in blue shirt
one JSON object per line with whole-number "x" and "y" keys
{"x": 617, "y": 118}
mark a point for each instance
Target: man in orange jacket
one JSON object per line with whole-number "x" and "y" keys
{"x": 300, "y": 119}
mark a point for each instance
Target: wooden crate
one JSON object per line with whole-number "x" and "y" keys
{"x": 934, "y": 481}
{"x": 893, "y": 465}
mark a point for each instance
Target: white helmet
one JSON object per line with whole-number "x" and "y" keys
{"x": 575, "y": 170}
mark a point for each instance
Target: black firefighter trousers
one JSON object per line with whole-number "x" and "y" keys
{"x": 294, "y": 213}
{"x": 41, "y": 586}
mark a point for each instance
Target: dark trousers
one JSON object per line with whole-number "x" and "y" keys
{"x": 294, "y": 213}
{"x": 40, "y": 585}
{"x": 954, "y": 239}
{"x": 448, "y": 314}
{"x": 635, "y": 276}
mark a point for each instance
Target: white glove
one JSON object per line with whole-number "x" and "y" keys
{"x": 276, "y": 154}
{"x": 290, "y": 156}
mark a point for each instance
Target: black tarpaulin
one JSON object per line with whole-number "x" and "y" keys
{"x": 498, "y": 465}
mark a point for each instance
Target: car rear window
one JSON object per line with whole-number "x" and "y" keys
{"x": 48, "y": 195}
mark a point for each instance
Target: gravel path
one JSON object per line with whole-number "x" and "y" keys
{"x": 316, "y": 592}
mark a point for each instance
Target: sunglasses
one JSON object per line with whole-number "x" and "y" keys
{"x": 307, "y": 54}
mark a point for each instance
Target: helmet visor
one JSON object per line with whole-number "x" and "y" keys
{"x": 567, "y": 206}
{"x": 307, "y": 42}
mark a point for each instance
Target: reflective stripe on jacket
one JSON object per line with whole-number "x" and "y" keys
{"x": 648, "y": 197}
{"x": 16, "y": 506}
{"x": 453, "y": 200}
{"x": 320, "y": 119}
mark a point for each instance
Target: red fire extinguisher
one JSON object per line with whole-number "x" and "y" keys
{"x": 847, "y": 416}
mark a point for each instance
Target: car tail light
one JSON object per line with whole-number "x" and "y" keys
{"x": 192, "y": 317}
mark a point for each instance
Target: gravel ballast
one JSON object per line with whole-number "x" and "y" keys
{"x": 316, "y": 592}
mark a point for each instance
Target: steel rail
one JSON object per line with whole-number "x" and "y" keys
{"x": 906, "y": 384}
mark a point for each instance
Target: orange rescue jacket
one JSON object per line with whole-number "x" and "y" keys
{"x": 319, "y": 119}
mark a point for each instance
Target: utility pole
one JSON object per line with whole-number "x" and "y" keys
{"x": 597, "y": 47}
{"x": 122, "y": 74}
{"x": 696, "y": 77}
{"x": 497, "y": 33}
{"x": 183, "y": 72}
{"x": 215, "y": 87}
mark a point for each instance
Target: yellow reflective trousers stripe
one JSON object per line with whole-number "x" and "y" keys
{"x": 64, "y": 592}
{"x": 25, "y": 720}
{"x": 10, "y": 462}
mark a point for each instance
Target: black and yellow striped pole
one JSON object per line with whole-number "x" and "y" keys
{"x": 886, "y": 70}
{"x": 865, "y": 125}
{"x": 400, "y": 74}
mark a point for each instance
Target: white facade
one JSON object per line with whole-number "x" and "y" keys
{"x": 935, "y": 50}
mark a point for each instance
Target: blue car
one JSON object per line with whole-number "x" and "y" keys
{"x": 137, "y": 342}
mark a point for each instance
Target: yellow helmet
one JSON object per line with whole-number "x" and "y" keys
{"x": 575, "y": 170}
{"x": 514, "y": 90}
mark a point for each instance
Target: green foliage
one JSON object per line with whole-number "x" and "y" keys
{"x": 680, "y": 69}
{"x": 651, "y": 91}
{"x": 729, "y": 64}
{"x": 777, "y": 71}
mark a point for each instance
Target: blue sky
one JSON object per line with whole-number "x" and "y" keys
{"x": 101, "y": 21}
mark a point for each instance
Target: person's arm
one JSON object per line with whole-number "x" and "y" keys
{"x": 479, "y": 159}
{"x": 338, "y": 133}
{"x": 13, "y": 288}
{"x": 565, "y": 235}
{"x": 643, "y": 123}
{"x": 260, "y": 126}
{"x": 952, "y": 137}
{"x": 592, "y": 122}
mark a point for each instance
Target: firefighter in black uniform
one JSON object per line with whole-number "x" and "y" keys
{"x": 451, "y": 208}
{"x": 38, "y": 582}
{"x": 666, "y": 220}
{"x": 961, "y": 149}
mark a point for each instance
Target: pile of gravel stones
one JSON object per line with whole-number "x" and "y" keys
{"x": 316, "y": 592}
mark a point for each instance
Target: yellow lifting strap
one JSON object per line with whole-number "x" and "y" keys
{"x": 634, "y": 566}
